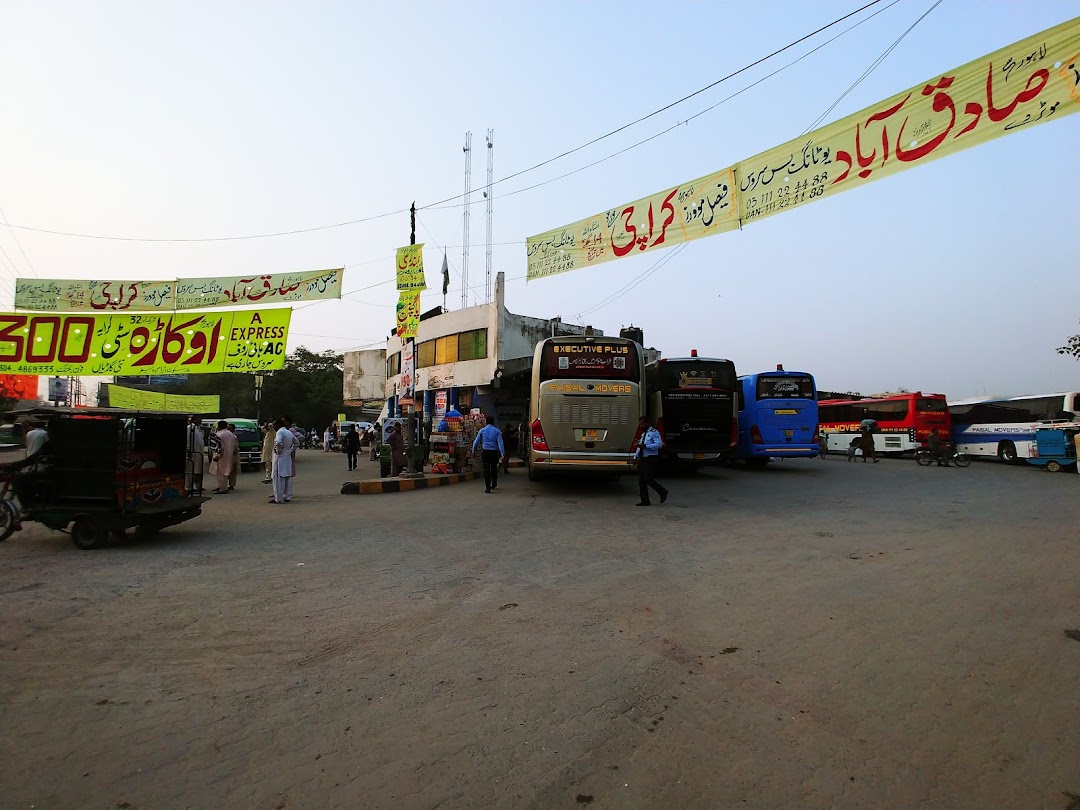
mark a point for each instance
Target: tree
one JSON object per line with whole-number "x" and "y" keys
{"x": 1071, "y": 347}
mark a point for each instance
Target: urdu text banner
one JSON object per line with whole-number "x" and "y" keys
{"x": 136, "y": 399}
{"x": 1027, "y": 83}
{"x": 53, "y": 295}
{"x": 169, "y": 343}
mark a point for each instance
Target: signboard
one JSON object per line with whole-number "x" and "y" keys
{"x": 691, "y": 210}
{"x": 440, "y": 404}
{"x": 244, "y": 341}
{"x": 58, "y": 389}
{"x": 408, "y": 315}
{"x": 168, "y": 379}
{"x": 786, "y": 387}
{"x": 18, "y": 386}
{"x": 410, "y": 268}
{"x": 340, "y": 418}
{"x": 138, "y": 400}
{"x": 276, "y": 288}
{"x": 1030, "y": 82}
{"x": 52, "y": 295}
{"x": 49, "y": 295}
{"x": 408, "y": 371}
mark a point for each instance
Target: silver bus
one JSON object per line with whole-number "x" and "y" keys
{"x": 588, "y": 394}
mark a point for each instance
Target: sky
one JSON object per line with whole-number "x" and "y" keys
{"x": 200, "y": 119}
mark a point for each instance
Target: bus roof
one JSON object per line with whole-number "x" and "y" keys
{"x": 906, "y": 395}
{"x": 996, "y": 398}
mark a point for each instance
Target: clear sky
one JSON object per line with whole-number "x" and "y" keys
{"x": 202, "y": 119}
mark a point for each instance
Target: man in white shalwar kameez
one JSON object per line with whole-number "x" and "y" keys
{"x": 196, "y": 441}
{"x": 284, "y": 448}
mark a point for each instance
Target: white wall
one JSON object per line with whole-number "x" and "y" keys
{"x": 365, "y": 375}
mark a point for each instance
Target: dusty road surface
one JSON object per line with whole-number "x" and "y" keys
{"x": 819, "y": 634}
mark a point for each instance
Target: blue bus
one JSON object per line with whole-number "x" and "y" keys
{"x": 778, "y": 416}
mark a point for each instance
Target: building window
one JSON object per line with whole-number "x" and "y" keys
{"x": 425, "y": 354}
{"x": 393, "y": 365}
{"x": 472, "y": 345}
{"x": 446, "y": 350}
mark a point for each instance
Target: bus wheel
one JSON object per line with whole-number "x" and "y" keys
{"x": 1007, "y": 452}
{"x": 534, "y": 474}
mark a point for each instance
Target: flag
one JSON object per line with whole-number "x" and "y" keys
{"x": 445, "y": 275}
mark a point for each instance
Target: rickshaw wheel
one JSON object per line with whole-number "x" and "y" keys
{"x": 1053, "y": 466}
{"x": 9, "y": 520}
{"x": 87, "y": 533}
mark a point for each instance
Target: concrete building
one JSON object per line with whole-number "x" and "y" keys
{"x": 478, "y": 357}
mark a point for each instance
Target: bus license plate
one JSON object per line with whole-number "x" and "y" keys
{"x": 699, "y": 456}
{"x": 786, "y": 412}
{"x": 789, "y": 433}
{"x": 590, "y": 435}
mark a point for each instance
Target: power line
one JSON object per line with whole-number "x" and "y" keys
{"x": 29, "y": 263}
{"x": 374, "y": 217}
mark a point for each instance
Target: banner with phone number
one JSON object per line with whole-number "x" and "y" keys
{"x": 174, "y": 343}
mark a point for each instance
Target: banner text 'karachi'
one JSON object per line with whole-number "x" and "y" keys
{"x": 75, "y": 295}
{"x": 169, "y": 343}
{"x": 1030, "y": 82}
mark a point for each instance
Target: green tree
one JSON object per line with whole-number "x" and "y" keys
{"x": 1071, "y": 347}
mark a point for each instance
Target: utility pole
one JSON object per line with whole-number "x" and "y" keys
{"x": 410, "y": 436}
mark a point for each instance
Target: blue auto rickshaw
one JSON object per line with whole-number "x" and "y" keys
{"x": 1053, "y": 448}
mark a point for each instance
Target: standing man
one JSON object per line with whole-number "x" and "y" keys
{"x": 284, "y": 466}
{"x": 327, "y": 438}
{"x": 397, "y": 450}
{"x": 648, "y": 456}
{"x": 490, "y": 438}
{"x": 866, "y": 442}
{"x": 223, "y": 447}
{"x": 235, "y": 459}
{"x": 196, "y": 441}
{"x": 267, "y": 456}
{"x": 823, "y": 444}
{"x": 352, "y": 446}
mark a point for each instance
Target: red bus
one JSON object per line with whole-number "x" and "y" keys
{"x": 904, "y": 421}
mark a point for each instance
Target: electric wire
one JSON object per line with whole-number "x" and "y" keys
{"x": 375, "y": 217}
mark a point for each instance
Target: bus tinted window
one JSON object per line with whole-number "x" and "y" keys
{"x": 594, "y": 361}
{"x": 931, "y": 406}
{"x": 697, "y": 374}
{"x": 773, "y": 386}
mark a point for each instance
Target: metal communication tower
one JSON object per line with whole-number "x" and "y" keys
{"x": 465, "y": 239}
{"x": 488, "y": 194}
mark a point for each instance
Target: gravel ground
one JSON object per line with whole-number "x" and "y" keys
{"x": 818, "y": 634}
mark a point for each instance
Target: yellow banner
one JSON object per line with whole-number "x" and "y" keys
{"x": 276, "y": 288}
{"x": 410, "y": 268}
{"x": 408, "y": 314}
{"x": 51, "y": 295}
{"x": 136, "y": 399}
{"x": 169, "y": 343}
{"x": 1031, "y": 82}
{"x": 692, "y": 210}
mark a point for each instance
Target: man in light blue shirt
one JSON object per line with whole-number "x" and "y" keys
{"x": 648, "y": 456}
{"x": 490, "y": 439}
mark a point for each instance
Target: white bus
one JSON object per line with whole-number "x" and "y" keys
{"x": 1005, "y": 426}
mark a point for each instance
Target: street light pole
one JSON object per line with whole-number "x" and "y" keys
{"x": 410, "y": 436}
{"x": 258, "y": 399}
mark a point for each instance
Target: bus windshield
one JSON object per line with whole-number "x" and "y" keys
{"x": 774, "y": 386}
{"x": 594, "y": 361}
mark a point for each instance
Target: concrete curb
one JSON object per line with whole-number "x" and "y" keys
{"x": 381, "y": 485}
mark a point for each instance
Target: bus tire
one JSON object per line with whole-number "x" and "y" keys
{"x": 535, "y": 474}
{"x": 1007, "y": 452}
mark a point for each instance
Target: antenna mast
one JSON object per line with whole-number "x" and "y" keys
{"x": 465, "y": 240}
{"x": 488, "y": 193}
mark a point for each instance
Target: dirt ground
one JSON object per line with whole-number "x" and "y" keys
{"x": 818, "y": 634}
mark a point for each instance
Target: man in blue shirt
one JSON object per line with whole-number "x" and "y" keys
{"x": 490, "y": 438}
{"x": 648, "y": 456}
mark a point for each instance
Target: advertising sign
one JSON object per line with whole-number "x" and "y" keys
{"x": 52, "y": 295}
{"x": 410, "y": 268}
{"x": 408, "y": 315}
{"x": 440, "y": 404}
{"x": 58, "y": 389}
{"x": 139, "y": 400}
{"x": 18, "y": 386}
{"x": 169, "y": 343}
{"x": 276, "y": 288}
{"x": 408, "y": 371}
{"x": 1030, "y": 82}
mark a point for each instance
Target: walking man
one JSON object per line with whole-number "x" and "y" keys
{"x": 327, "y": 439}
{"x": 866, "y": 442}
{"x": 397, "y": 450}
{"x": 648, "y": 457}
{"x": 235, "y": 459}
{"x": 490, "y": 439}
{"x": 223, "y": 448}
{"x": 352, "y": 446}
{"x": 196, "y": 442}
{"x": 267, "y": 456}
{"x": 284, "y": 447}
{"x": 823, "y": 444}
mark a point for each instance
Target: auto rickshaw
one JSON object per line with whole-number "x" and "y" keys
{"x": 101, "y": 472}
{"x": 1053, "y": 449}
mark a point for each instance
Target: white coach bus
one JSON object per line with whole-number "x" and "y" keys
{"x": 1005, "y": 426}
